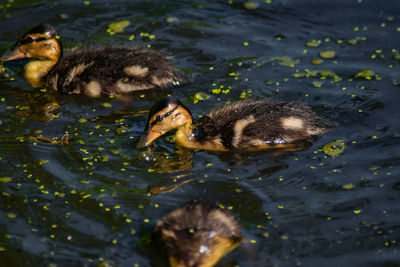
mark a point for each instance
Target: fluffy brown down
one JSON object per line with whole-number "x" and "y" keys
{"x": 265, "y": 123}
{"x": 106, "y": 68}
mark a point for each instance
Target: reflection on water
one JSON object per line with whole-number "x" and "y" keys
{"x": 96, "y": 198}
{"x": 164, "y": 162}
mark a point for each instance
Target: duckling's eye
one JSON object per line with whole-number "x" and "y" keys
{"x": 29, "y": 39}
{"x": 159, "y": 118}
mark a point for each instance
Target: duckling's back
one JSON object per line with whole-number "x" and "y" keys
{"x": 113, "y": 70}
{"x": 255, "y": 123}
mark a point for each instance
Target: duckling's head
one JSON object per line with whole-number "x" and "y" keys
{"x": 167, "y": 114}
{"x": 41, "y": 42}
{"x": 198, "y": 235}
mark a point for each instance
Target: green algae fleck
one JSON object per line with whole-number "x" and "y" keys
{"x": 348, "y": 186}
{"x": 334, "y": 148}
{"x": 327, "y": 54}
{"x": 366, "y": 74}
{"x": 250, "y": 5}
{"x": 122, "y": 129}
{"x": 323, "y": 74}
{"x": 313, "y": 43}
{"x": 11, "y": 215}
{"x": 285, "y": 61}
{"x": 117, "y": 27}
{"x": 199, "y": 96}
{"x": 107, "y": 105}
{"x": 317, "y": 84}
{"x": 317, "y": 61}
{"x": 171, "y": 19}
{"x": 5, "y": 179}
{"x": 352, "y": 41}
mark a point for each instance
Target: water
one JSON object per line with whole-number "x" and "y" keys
{"x": 88, "y": 201}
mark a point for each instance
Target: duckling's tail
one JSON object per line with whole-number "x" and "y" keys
{"x": 322, "y": 126}
{"x": 180, "y": 78}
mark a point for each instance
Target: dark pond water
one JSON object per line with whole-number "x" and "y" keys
{"x": 89, "y": 201}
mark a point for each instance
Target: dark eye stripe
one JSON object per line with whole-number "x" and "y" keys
{"x": 41, "y": 39}
{"x": 29, "y": 40}
{"x": 161, "y": 117}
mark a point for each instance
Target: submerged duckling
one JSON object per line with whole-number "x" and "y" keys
{"x": 247, "y": 124}
{"x": 198, "y": 235}
{"x": 91, "y": 71}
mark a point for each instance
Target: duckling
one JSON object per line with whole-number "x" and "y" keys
{"x": 248, "y": 124}
{"x": 91, "y": 71}
{"x": 198, "y": 234}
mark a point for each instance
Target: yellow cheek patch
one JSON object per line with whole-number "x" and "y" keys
{"x": 35, "y": 70}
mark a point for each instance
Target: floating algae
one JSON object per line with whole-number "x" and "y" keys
{"x": 334, "y": 148}
{"x": 117, "y": 27}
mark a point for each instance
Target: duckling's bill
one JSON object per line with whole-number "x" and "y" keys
{"x": 13, "y": 53}
{"x": 147, "y": 137}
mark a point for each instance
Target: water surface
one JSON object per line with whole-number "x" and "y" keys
{"x": 88, "y": 201}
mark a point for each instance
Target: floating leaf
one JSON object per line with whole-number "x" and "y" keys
{"x": 250, "y": 5}
{"x": 107, "y": 105}
{"x": 317, "y": 84}
{"x": 348, "y": 186}
{"x": 11, "y": 215}
{"x": 5, "y": 179}
{"x": 64, "y": 16}
{"x": 199, "y": 96}
{"x": 122, "y": 129}
{"x": 285, "y": 61}
{"x": 317, "y": 61}
{"x": 395, "y": 82}
{"x": 313, "y": 43}
{"x": 366, "y": 74}
{"x": 43, "y": 161}
{"x": 327, "y": 54}
{"x": 352, "y": 41}
{"x": 115, "y": 151}
{"x": 171, "y": 19}
{"x": 117, "y": 27}
{"x": 321, "y": 73}
{"x": 334, "y": 148}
